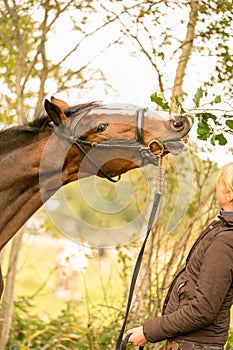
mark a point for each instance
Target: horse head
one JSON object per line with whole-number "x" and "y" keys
{"x": 116, "y": 138}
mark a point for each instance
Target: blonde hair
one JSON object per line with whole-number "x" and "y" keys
{"x": 225, "y": 177}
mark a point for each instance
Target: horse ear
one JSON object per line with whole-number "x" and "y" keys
{"x": 56, "y": 114}
{"x": 62, "y": 104}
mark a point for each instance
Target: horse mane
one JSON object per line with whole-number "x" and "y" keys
{"x": 41, "y": 123}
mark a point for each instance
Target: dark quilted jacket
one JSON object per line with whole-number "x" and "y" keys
{"x": 197, "y": 306}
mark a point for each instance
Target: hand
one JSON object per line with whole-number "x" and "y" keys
{"x": 137, "y": 336}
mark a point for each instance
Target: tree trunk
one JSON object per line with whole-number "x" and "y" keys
{"x": 186, "y": 50}
{"x": 8, "y": 295}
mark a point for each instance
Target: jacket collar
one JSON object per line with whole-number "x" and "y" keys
{"x": 226, "y": 218}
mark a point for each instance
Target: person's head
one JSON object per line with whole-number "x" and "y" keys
{"x": 224, "y": 187}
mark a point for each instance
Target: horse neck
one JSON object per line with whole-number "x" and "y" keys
{"x": 27, "y": 171}
{"x": 32, "y": 171}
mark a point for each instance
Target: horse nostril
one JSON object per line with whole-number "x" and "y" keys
{"x": 178, "y": 123}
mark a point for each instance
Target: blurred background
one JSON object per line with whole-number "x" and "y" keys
{"x": 62, "y": 294}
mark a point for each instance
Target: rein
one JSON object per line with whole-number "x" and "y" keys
{"x": 133, "y": 145}
{"x": 121, "y": 344}
{"x": 146, "y": 154}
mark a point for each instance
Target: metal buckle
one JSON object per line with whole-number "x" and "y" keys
{"x": 158, "y": 143}
{"x": 172, "y": 345}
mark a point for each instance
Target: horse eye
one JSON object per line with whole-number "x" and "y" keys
{"x": 102, "y": 127}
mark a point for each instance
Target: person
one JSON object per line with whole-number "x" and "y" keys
{"x": 196, "y": 312}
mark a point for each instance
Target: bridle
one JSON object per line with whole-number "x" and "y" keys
{"x": 146, "y": 154}
{"x": 132, "y": 145}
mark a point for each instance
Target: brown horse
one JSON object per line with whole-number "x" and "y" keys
{"x": 69, "y": 143}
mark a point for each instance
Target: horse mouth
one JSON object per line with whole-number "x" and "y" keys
{"x": 179, "y": 123}
{"x": 176, "y": 147}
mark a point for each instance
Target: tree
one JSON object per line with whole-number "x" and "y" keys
{"x": 26, "y": 69}
{"x": 173, "y": 36}
{"x": 217, "y": 29}
{"x": 186, "y": 51}
{"x": 203, "y": 30}
{"x": 170, "y": 43}
{"x": 27, "y": 27}
{"x": 8, "y": 296}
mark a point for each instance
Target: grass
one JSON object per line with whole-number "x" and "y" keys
{"x": 37, "y": 278}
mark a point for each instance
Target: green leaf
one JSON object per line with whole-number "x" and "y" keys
{"x": 221, "y": 139}
{"x": 203, "y": 137}
{"x": 198, "y": 96}
{"x": 161, "y": 54}
{"x": 217, "y": 99}
{"x": 203, "y": 127}
{"x": 182, "y": 111}
{"x": 202, "y": 9}
{"x": 203, "y": 117}
{"x": 179, "y": 104}
{"x": 212, "y": 140}
{"x": 229, "y": 123}
{"x": 159, "y": 101}
{"x": 208, "y": 115}
{"x": 229, "y": 131}
{"x": 203, "y": 132}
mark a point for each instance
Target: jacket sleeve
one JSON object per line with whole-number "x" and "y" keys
{"x": 212, "y": 286}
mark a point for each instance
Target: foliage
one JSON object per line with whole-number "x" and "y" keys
{"x": 217, "y": 28}
{"x": 209, "y": 125}
{"x": 160, "y": 102}
{"x": 88, "y": 326}
{"x": 67, "y": 331}
{"x": 27, "y": 66}
{"x": 207, "y": 28}
{"x": 26, "y": 69}
{"x": 152, "y": 27}
{"x": 229, "y": 344}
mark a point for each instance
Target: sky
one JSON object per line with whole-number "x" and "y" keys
{"x": 131, "y": 75}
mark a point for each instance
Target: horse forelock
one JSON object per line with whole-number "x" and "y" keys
{"x": 80, "y": 108}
